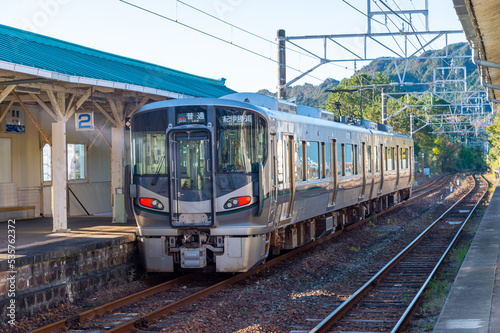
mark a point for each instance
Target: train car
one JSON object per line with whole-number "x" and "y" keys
{"x": 219, "y": 184}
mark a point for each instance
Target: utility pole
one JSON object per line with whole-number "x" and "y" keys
{"x": 281, "y": 64}
{"x": 384, "y": 107}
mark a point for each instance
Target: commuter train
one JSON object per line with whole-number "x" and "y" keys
{"x": 218, "y": 184}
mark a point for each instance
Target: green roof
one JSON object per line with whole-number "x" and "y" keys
{"x": 46, "y": 53}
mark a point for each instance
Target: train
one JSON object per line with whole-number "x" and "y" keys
{"x": 220, "y": 184}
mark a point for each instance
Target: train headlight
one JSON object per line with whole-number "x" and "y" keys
{"x": 151, "y": 203}
{"x": 237, "y": 202}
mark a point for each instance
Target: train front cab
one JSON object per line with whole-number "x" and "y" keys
{"x": 196, "y": 177}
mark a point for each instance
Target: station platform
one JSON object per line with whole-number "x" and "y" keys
{"x": 473, "y": 304}
{"x": 51, "y": 268}
{"x": 38, "y": 231}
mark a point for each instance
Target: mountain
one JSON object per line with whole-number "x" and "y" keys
{"x": 308, "y": 94}
{"x": 418, "y": 71}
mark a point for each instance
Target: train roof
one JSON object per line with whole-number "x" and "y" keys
{"x": 277, "y": 108}
{"x": 287, "y": 110}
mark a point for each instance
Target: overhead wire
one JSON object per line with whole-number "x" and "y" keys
{"x": 359, "y": 11}
{"x": 212, "y": 36}
{"x": 249, "y": 32}
{"x": 408, "y": 21}
{"x": 416, "y": 36}
{"x": 389, "y": 30}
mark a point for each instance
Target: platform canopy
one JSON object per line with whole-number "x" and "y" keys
{"x": 28, "y": 54}
{"x": 61, "y": 78}
{"x": 479, "y": 19}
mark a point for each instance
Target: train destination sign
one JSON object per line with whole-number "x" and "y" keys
{"x": 195, "y": 117}
{"x": 237, "y": 119}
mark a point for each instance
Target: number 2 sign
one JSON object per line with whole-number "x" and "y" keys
{"x": 84, "y": 121}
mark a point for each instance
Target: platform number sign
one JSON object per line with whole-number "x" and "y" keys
{"x": 84, "y": 121}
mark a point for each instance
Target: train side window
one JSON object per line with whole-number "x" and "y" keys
{"x": 410, "y": 158}
{"x": 359, "y": 159}
{"x": 326, "y": 149}
{"x": 393, "y": 160}
{"x": 340, "y": 159}
{"x": 401, "y": 158}
{"x": 376, "y": 159}
{"x": 334, "y": 151}
{"x": 404, "y": 159}
{"x": 397, "y": 159}
{"x": 386, "y": 159}
{"x": 369, "y": 159}
{"x": 356, "y": 160}
{"x": 381, "y": 158}
{"x": 313, "y": 160}
{"x": 348, "y": 160}
{"x": 299, "y": 170}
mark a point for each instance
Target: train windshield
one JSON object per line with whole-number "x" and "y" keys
{"x": 149, "y": 143}
{"x": 241, "y": 140}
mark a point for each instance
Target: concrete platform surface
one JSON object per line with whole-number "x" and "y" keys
{"x": 38, "y": 231}
{"x": 473, "y": 304}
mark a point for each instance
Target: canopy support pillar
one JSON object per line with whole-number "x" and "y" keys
{"x": 59, "y": 178}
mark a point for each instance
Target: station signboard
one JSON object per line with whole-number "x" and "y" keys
{"x": 84, "y": 121}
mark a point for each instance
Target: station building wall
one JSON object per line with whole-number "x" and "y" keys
{"x": 23, "y": 184}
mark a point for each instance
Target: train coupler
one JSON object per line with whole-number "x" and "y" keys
{"x": 193, "y": 257}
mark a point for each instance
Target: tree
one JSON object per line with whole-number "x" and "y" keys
{"x": 494, "y": 140}
{"x": 364, "y": 103}
{"x": 440, "y": 153}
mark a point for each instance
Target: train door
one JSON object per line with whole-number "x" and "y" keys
{"x": 382, "y": 167}
{"x": 410, "y": 164}
{"x": 273, "y": 194}
{"x": 192, "y": 200}
{"x": 398, "y": 164}
{"x": 288, "y": 187}
{"x": 334, "y": 170}
{"x": 363, "y": 169}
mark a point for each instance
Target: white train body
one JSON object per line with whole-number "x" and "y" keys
{"x": 219, "y": 184}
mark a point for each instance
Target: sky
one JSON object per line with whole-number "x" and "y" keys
{"x": 248, "y": 63}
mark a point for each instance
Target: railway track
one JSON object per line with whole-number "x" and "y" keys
{"x": 440, "y": 181}
{"x": 386, "y": 300}
{"x": 152, "y": 309}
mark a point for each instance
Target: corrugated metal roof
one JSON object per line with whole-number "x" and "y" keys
{"x": 479, "y": 19}
{"x": 42, "y": 52}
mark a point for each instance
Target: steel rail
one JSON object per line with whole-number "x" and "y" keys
{"x": 142, "y": 321}
{"x": 410, "y": 307}
{"x": 325, "y": 324}
{"x": 420, "y": 188}
{"x": 87, "y": 315}
{"x": 411, "y": 199}
{"x": 74, "y": 321}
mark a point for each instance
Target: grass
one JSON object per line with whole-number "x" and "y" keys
{"x": 460, "y": 252}
{"x": 436, "y": 294}
{"x": 439, "y": 287}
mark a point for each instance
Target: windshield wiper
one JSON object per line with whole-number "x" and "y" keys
{"x": 157, "y": 173}
{"x": 231, "y": 183}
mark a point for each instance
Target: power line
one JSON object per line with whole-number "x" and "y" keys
{"x": 211, "y": 35}
{"x": 359, "y": 11}
{"x": 403, "y": 52}
{"x": 410, "y": 25}
{"x": 416, "y": 36}
{"x": 249, "y": 32}
{"x": 225, "y": 22}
